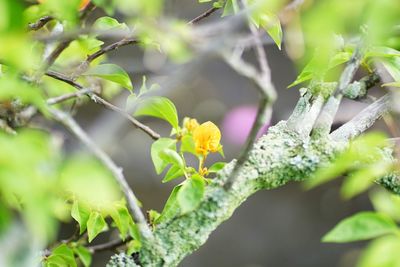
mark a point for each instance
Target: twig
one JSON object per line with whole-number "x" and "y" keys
{"x": 85, "y": 64}
{"x": 328, "y": 112}
{"x": 266, "y": 89}
{"x": 40, "y": 23}
{"x": 109, "y": 245}
{"x": 62, "y": 98}
{"x": 99, "y": 100}
{"x": 203, "y": 15}
{"x": 74, "y": 127}
{"x": 363, "y": 120}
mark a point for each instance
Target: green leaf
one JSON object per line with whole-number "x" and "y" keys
{"x": 156, "y": 148}
{"x": 173, "y": 173}
{"x": 392, "y": 65}
{"x": 382, "y": 51}
{"x": 80, "y": 213}
{"x": 216, "y": 167}
{"x": 188, "y": 144}
{"x": 133, "y": 246}
{"x": 153, "y": 216}
{"x": 66, "y": 253}
{"x": 393, "y": 84}
{"x": 121, "y": 218}
{"x": 171, "y": 207}
{"x": 363, "y": 151}
{"x": 272, "y": 26}
{"x": 159, "y": 107}
{"x": 111, "y": 72}
{"x": 191, "y": 193}
{"x": 84, "y": 255}
{"x": 108, "y": 23}
{"x": 382, "y": 252}
{"x": 231, "y": 7}
{"x": 387, "y": 203}
{"x": 95, "y": 225}
{"x": 171, "y": 156}
{"x": 361, "y": 226}
{"x": 361, "y": 180}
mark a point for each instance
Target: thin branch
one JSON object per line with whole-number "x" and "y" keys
{"x": 97, "y": 99}
{"x": 204, "y": 15}
{"x": 40, "y": 23}
{"x": 74, "y": 127}
{"x": 62, "y": 98}
{"x": 328, "y": 112}
{"x": 365, "y": 119}
{"x": 264, "y": 112}
{"x": 109, "y": 245}
{"x": 85, "y": 64}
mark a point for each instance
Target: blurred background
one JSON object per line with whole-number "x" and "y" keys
{"x": 281, "y": 227}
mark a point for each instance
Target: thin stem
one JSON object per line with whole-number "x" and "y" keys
{"x": 109, "y": 245}
{"x": 85, "y": 64}
{"x": 97, "y": 99}
{"x": 74, "y": 127}
{"x": 203, "y": 15}
{"x": 62, "y": 98}
{"x": 263, "y": 115}
{"x": 40, "y": 23}
{"x": 328, "y": 112}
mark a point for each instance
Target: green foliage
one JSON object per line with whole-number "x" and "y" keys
{"x": 191, "y": 193}
{"x": 156, "y": 148}
{"x": 160, "y": 107}
{"x": 382, "y": 252}
{"x": 365, "y": 160}
{"x": 95, "y": 225}
{"x": 361, "y": 226}
{"x": 112, "y": 73}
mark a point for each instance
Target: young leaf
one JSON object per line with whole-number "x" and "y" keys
{"x": 361, "y": 226}
{"x": 173, "y": 173}
{"x": 171, "y": 156}
{"x": 84, "y": 255}
{"x": 171, "y": 207}
{"x": 231, "y": 7}
{"x": 387, "y": 203}
{"x": 81, "y": 214}
{"x": 153, "y": 216}
{"x": 382, "y": 252}
{"x": 95, "y": 225}
{"x": 156, "y": 148}
{"x": 188, "y": 144}
{"x": 133, "y": 246}
{"x": 66, "y": 254}
{"x": 191, "y": 193}
{"x": 272, "y": 26}
{"x": 361, "y": 180}
{"x": 112, "y": 73}
{"x": 216, "y": 167}
{"x": 121, "y": 218}
{"x": 159, "y": 107}
{"x": 108, "y": 23}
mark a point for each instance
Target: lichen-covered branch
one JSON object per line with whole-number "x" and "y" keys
{"x": 363, "y": 120}
{"x": 280, "y": 157}
{"x": 276, "y": 159}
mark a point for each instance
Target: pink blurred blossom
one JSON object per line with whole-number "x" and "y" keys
{"x": 237, "y": 124}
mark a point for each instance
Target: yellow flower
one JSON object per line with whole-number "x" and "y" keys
{"x": 191, "y": 125}
{"x": 206, "y": 138}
